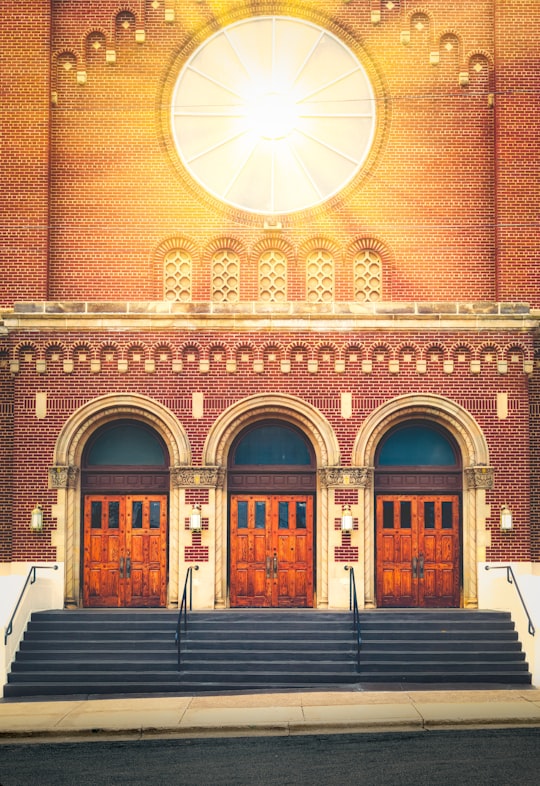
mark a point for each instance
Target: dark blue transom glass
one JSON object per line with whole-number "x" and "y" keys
{"x": 277, "y": 445}
{"x": 126, "y": 444}
{"x": 416, "y": 445}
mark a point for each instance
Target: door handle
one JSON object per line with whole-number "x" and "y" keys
{"x": 121, "y": 567}
{"x": 275, "y": 565}
{"x": 414, "y": 567}
{"x": 128, "y": 567}
{"x": 421, "y": 566}
{"x": 268, "y": 566}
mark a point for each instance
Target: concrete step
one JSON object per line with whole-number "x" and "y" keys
{"x": 103, "y": 652}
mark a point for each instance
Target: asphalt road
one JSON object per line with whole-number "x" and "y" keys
{"x": 445, "y": 758}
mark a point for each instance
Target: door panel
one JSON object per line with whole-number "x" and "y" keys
{"x": 102, "y": 535}
{"x": 294, "y": 552}
{"x": 441, "y": 552}
{"x": 248, "y": 550}
{"x": 271, "y": 550}
{"x": 146, "y": 550}
{"x": 125, "y": 550}
{"x": 395, "y": 550}
{"x": 418, "y": 550}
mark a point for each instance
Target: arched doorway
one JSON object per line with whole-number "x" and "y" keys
{"x": 271, "y": 485}
{"x": 125, "y": 485}
{"x": 418, "y": 492}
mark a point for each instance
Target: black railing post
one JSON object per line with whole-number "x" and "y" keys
{"x": 511, "y": 579}
{"x": 186, "y": 600}
{"x": 353, "y": 606}
{"x": 30, "y": 579}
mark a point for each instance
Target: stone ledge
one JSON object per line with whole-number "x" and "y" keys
{"x": 290, "y": 308}
{"x": 68, "y": 307}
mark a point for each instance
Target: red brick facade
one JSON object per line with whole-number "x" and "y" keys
{"x": 443, "y": 191}
{"x": 96, "y": 200}
{"x": 476, "y": 392}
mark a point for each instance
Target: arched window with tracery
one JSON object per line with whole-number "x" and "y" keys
{"x": 225, "y": 277}
{"x": 177, "y": 267}
{"x": 273, "y": 276}
{"x": 320, "y": 276}
{"x": 367, "y": 271}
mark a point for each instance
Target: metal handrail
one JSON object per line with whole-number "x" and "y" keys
{"x": 30, "y": 579}
{"x": 511, "y": 579}
{"x": 353, "y": 606}
{"x": 188, "y": 583}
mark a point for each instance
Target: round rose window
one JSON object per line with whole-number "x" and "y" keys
{"x": 273, "y": 115}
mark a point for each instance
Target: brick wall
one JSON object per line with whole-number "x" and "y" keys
{"x": 24, "y": 169}
{"x": 517, "y": 72}
{"x": 535, "y": 458}
{"x": 117, "y": 191}
{"x": 508, "y": 438}
{"x": 6, "y": 461}
{"x": 93, "y": 189}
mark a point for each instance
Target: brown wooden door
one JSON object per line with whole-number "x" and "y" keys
{"x": 418, "y": 550}
{"x": 271, "y": 550}
{"x": 125, "y": 550}
{"x": 104, "y": 542}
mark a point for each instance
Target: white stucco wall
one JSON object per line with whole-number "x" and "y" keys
{"x": 494, "y": 592}
{"x": 47, "y": 592}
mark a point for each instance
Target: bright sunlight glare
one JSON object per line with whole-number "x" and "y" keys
{"x": 272, "y": 115}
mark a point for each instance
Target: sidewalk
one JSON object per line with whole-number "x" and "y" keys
{"x": 269, "y": 713}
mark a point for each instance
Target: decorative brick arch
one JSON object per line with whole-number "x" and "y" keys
{"x": 65, "y": 476}
{"x": 261, "y": 407}
{"x": 477, "y": 476}
{"x": 316, "y": 428}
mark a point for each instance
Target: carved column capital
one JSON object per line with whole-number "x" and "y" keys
{"x": 344, "y": 477}
{"x": 197, "y": 477}
{"x": 479, "y": 477}
{"x": 63, "y": 477}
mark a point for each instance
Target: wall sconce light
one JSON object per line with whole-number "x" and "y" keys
{"x": 346, "y": 519}
{"x": 36, "y": 519}
{"x": 507, "y": 522}
{"x": 195, "y": 519}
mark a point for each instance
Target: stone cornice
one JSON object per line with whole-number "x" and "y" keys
{"x": 353, "y": 342}
{"x": 257, "y": 315}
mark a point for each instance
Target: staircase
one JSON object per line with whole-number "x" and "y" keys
{"x": 104, "y": 652}
{"x": 441, "y": 646}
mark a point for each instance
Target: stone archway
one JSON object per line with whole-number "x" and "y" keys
{"x": 309, "y": 420}
{"x": 65, "y": 477}
{"x": 477, "y": 476}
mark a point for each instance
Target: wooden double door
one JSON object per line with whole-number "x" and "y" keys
{"x": 271, "y": 550}
{"x": 418, "y": 550}
{"x": 125, "y": 550}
